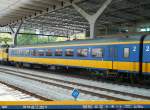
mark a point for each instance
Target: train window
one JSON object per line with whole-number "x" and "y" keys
{"x": 40, "y": 52}
{"x": 82, "y": 52}
{"x": 98, "y": 52}
{"x": 17, "y": 52}
{"x": 126, "y": 52}
{"x": 30, "y": 52}
{"x": 14, "y": 52}
{"x": 115, "y": 53}
{"x": 48, "y": 52}
{"x": 26, "y": 52}
{"x": 20, "y": 52}
{"x": 58, "y": 52}
{"x": 69, "y": 52}
{"x": 33, "y": 52}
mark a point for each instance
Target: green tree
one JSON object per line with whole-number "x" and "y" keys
{"x": 0, "y": 40}
{"x": 5, "y": 38}
{"x": 25, "y": 39}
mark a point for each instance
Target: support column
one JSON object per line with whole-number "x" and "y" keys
{"x": 92, "y": 29}
{"x": 92, "y": 18}
{"x": 15, "y": 33}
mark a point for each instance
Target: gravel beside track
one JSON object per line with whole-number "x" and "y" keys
{"x": 99, "y": 91}
{"x": 9, "y": 93}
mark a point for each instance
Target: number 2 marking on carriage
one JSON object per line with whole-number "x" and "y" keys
{"x": 147, "y": 48}
{"x": 134, "y": 48}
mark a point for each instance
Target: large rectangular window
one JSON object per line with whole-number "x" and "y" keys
{"x": 33, "y": 52}
{"x": 69, "y": 52}
{"x": 17, "y": 52}
{"x": 40, "y": 52}
{"x": 126, "y": 52}
{"x": 82, "y": 52}
{"x": 98, "y": 52}
{"x": 58, "y": 52}
{"x": 48, "y": 52}
{"x": 27, "y": 52}
{"x": 14, "y": 52}
{"x": 20, "y": 52}
{"x": 24, "y": 52}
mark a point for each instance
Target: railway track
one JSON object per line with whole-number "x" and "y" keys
{"x": 86, "y": 89}
{"x": 12, "y": 93}
{"x": 25, "y": 91}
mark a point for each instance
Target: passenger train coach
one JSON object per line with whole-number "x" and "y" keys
{"x": 123, "y": 55}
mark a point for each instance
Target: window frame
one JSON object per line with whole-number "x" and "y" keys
{"x": 80, "y": 55}
{"x": 72, "y": 52}
{"x": 46, "y": 50}
{"x": 103, "y": 52}
{"x": 33, "y": 52}
{"x": 38, "y": 51}
{"x": 124, "y": 53}
{"x": 55, "y": 54}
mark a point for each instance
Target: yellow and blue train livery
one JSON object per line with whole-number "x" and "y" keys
{"x": 3, "y": 55}
{"x": 146, "y": 55}
{"x": 128, "y": 54}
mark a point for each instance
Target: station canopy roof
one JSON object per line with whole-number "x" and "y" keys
{"x": 59, "y": 17}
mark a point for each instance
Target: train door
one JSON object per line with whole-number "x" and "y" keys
{"x": 113, "y": 53}
{"x": 132, "y": 55}
{"x": 146, "y": 58}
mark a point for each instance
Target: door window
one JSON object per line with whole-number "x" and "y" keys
{"x": 126, "y": 52}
